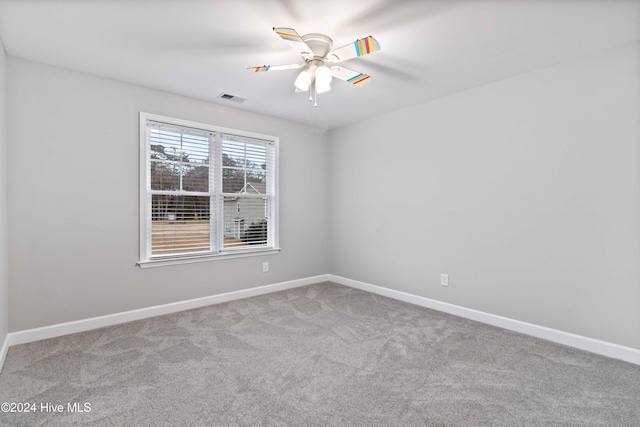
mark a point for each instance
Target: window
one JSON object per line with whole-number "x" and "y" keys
{"x": 205, "y": 192}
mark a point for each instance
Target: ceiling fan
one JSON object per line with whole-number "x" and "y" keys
{"x": 316, "y": 52}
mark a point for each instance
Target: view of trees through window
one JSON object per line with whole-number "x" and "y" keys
{"x": 182, "y": 197}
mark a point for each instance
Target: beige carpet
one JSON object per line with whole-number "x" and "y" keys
{"x": 320, "y": 355}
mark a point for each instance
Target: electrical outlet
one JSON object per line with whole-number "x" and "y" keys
{"x": 444, "y": 280}
{"x": 265, "y": 267}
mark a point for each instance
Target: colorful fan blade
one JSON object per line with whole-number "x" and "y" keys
{"x": 359, "y": 47}
{"x": 359, "y": 79}
{"x": 263, "y": 68}
{"x": 350, "y": 76}
{"x": 259, "y": 69}
{"x": 294, "y": 40}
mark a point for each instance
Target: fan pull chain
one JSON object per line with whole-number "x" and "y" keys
{"x": 313, "y": 94}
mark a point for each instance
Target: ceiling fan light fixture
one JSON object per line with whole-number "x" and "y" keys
{"x": 322, "y": 88}
{"x": 303, "y": 81}
{"x": 323, "y": 79}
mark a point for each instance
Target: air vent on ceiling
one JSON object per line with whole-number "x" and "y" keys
{"x": 232, "y": 98}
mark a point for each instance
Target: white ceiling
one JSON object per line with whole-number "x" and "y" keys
{"x": 197, "y": 48}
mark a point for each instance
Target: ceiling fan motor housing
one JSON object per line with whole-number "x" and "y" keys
{"x": 319, "y": 44}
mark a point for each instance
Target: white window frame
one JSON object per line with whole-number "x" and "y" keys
{"x": 145, "y": 260}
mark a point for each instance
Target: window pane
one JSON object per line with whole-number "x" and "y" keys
{"x": 256, "y": 156}
{"x": 179, "y": 160}
{"x": 195, "y": 178}
{"x": 165, "y": 145}
{"x": 165, "y": 175}
{"x": 245, "y": 221}
{"x": 172, "y": 144}
{"x": 234, "y": 152}
{"x": 257, "y": 180}
{"x": 179, "y": 224}
{"x": 244, "y": 167}
{"x": 232, "y": 179}
{"x": 195, "y": 148}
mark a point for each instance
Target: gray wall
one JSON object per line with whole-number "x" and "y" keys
{"x": 525, "y": 191}
{"x": 73, "y": 199}
{"x": 4, "y": 266}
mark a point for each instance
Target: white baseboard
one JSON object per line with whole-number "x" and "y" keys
{"x": 584, "y": 343}
{"x": 604, "y": 348}
{"x": 52, "y": 331}
{"x": 4, "y": 350}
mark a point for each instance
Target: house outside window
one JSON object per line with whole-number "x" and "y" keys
{"x": 206, "y": 192}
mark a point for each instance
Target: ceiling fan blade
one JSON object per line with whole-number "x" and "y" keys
{"x": 350, "y": 76}
{"x": 359, "y": 47}
{"x": 263, "y": 68}
{"x": 294, "y": 40}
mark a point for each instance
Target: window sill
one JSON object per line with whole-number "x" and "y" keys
{"x": 204, "y": 258}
